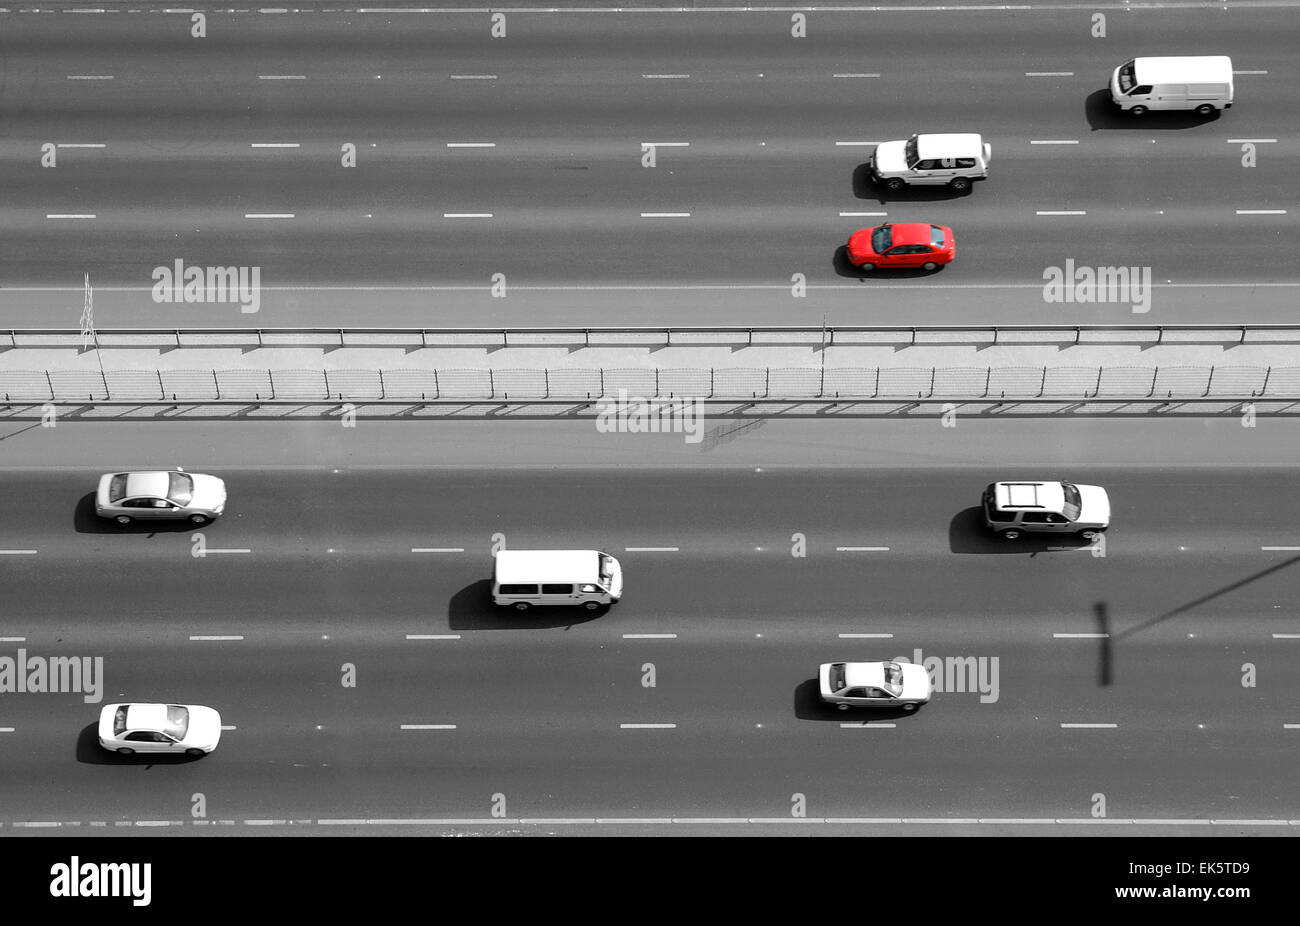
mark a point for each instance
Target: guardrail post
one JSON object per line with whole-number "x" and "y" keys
{"x": 162, "y": 390}
{"x": 602, "y": 382}
{"x": 505, "y": 337}
{"x": 104, "y": 378}
{"x": 326, "y": 373}
{"x": 13, "y": 338}
{"x": 1209, "y": 382}
{"x": 270, "y": 376}
{"x": 1097, "y": 390}
{"x": 1042, "y": 386}
{"x": 1161, "y": 336}
{"x": 877, "y": 390}
{"x": 1243, "y": 335}
{"x": 1155, "y": 374}
{"x": 933, "y": 371}
{"x": 821, "y": 388}
{"x": 437, "y": 389}
{"x": 767, "y": 382}
{"x": 424, "y": 337}
{"x": 711, "y": 386}
{"x": 913, "y": 337}
{"x": 492, "y": 385}
{"x": 668, "y": 337}
{"x": 383, "y": 392}
{"x": 546, "y": 374}
{"x": 259, "y": 338}
{"x": 178, "y": 337}
{"x": 751, "y": 338}
{"x": 1078, "y": 333}
{"x": 656, "y": 382}
{"x": 342, "y": 339}
{"x": 216, "y": 385}
{"x": 50, "y": 382}
{"x": 1264, "y": 388}
{"x": 988, "y": 377}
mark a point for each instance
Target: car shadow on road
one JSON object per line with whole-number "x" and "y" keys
{"x": 808, "y": 705}
{"x": 89, "y": 752}
{"x": 845, "y": 268}
{"x": 865, "y": 187}
{"x": 85, "y": 521}
{"x": 967, "y": 533}
{"x": 1101, "y": 113}
{"x": 471, "y": 608}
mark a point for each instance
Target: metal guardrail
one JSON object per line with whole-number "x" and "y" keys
{"x": 829, "y": 336}
{"x": 961, "y": 384}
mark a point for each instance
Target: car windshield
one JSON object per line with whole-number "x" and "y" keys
{"x": 894, "y": 678}
{"x": 936, "y": 236}
{"x": 606, "y": 569}
{"x": 881, "y": 239}
{"x": 909, "y": 152}
{"x": 178, "y": 721}
{"x": 1073, "y": 504}
{"x": 181, "y": 489}
{"x": 119, "y": 720}
{"x": 1127, "y": 80}
{"x": 837, "y": 676}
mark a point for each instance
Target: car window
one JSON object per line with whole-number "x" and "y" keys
{"x": 519, "y": 590}
{"x": 557, "y": 589}
{"x": 856, "y": 692}
{"x": 1144, "y": 89}
{"x": 875, "y": 693}
{"x": 138, "y": 503}
{"x": 931, "y": 164}
{"x": 965, "y": 162}
{"x": 143, "y": 736}
{"x": 909, "y": 249}
{"x": 1043, "y": 517}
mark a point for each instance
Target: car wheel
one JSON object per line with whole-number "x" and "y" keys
{"x": 592, "y": 605}
{"x": 909, "y": 707}
{"x": 1089, "y": 534}
{"x": 125, "y": 751}
{"x": 1138, "y": 110}
{"x": 894, "y": 184}
{"x": 960, "y": 184}
{"x": 867, "y": 266}
{"x": 929, "y": 265}
{"x": 1204, "y": 109}
{"x": 123, "y": 519}
{"x": 1010, "y": 535}
{"x": 842, "y": 706}
{"x": 199, "y": 519}
{"x": 194, "y": 752}
{"x": 522, "y": 606}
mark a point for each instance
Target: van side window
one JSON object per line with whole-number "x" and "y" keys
{"x": 965, "y": 162}
{"x": 550, "y": 589}
{"x": 1140, "y": 91}
{"x": 519, "y": 590}
{"x": 1042, "y": 517}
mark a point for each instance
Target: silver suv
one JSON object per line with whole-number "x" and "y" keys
{"x": 933, "y": 160}
{"x": 1016, "y": 508}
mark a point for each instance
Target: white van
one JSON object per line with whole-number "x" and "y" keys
{"x": 525, "y": 578}
{"x": 1203, "y": 84}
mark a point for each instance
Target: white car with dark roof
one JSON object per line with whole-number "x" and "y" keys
{"x": 874, "y": 684}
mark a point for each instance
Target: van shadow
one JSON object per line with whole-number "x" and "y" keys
{"x": 846, "y": 268}
{"x": 1102, "y": 113}
{"x": 471, "y": 608}
{"x": 808, "y": 705}
{"x": 967, "y": 533}
{"x": 89, "y": 752}
{"x": 866, "y": 187}
{"x": 85, "y": 521}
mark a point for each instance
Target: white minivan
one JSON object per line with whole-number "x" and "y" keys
{"x": 1200, "y": 83}
{"x": 525, "y": 578}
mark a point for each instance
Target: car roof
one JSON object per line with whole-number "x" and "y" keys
{"x": 910, "y": 233}
{"x": 146, "y": 717}
{"x": 864, "y": 674}
{"x": 1192, "y": 70}
{"x": 961, "y": 145}
{"x": 1030, "y": 496}
{"x": 536, "y": 566}
{"x": 155, "y": 484}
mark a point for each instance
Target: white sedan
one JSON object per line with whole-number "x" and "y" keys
{"x": 874, "y": 684}
{"x": 161, "y": 728}
{"x": 126, "y": 497}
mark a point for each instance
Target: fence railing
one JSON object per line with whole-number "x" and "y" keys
{"x": 1104, "y": 383}
{"x": 830, "y": 336}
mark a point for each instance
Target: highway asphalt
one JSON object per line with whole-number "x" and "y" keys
{"x": 778, "y": 133}
{"x": 1190, "y": 601}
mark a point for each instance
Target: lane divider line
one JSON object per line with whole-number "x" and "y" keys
{"x": 433, "y": 636}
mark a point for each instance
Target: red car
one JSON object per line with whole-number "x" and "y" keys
{"x": 907, "y": 244}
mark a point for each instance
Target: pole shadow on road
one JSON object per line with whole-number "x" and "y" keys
{"x": 1101, "y": 113}
{"x": 471, "y": 608}
{"x": 967, "y": 533}
{"x": 89, "y": 752}
{"x": 85, "y": 521}
{"x": 808, "y": 705}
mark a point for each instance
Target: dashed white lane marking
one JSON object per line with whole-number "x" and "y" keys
{"x": 215, "y": 638}
{"x": 855, "y": 144}
{"x": 1055, "y": 141}
{"x": 858, "y": 215}
{"x": 853, "y": 76}
{"x": 81, "y": 145}
{"x": 281, "y": 76}
{"x": 1255, "y": 73}
{"x": 1252, "y": 141}
{"x": 667, "y": 144}
{"x": 471, "y": 144}
{"x": 647, "y": 726}
{"x": 1089, "y": 726}
{"x": 666, "y": 76}
{"x": 228, "y": 550}
{"x": 16, "y": 552}
{"x": 866, "y": 725}
{"x": 437, "y": 549}
{"x": 649, "y": 636}
{"x": 467, "y": 215}
{"x": 1283, "y": 549}
{"x": 274, "y": 144}
{"x": 433, "y": 636}
{"x": 1291, "y": 726}
{"x": 1061, "y": 212}
{"x": 428, "y": 726}
{"x": 1049, "y": 73}
{"x": 1080, "y": 636}
{"x": 37, "y": 823}
{"x": 228, "y": 727}
{"x": 6, "y": 729}
{"x": 71, "y": 215}
{"x": 90, "y": 77}
{"x": 1261, "y": 212}
{"x": 665, "y": 215}
{"x": 13, "y": 639}
{"x": 473, "y": 76}
{"x": 862, "y": 549}
{"x": 651, "y": 549}
{"x": 1286, "y": 636}
{"x": 268, "y": 215}
{"x": 865, "y": 636}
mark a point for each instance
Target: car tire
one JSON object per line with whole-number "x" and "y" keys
{"x": 959, "y": 184}
{"x": 1012, "y": 534}
{"x": 894, "y": 184}
{"x": 125, "y": 751}
{"x": 910, "y": 707}
{"x": 522, "y": 606}
{"x": 123, "y": 519}
{"x": 199, "y": 519}
{"x": 929, "y": 265}
{"x": 1205, "y": 109}
{"x": 592, "y": 605}
{"x": 194, "y": 752}
{"x": 1138, "y": 110}
{"x": 842, "y": 707}
{"x": 868, "y": 267}
{"x": 1090, "y": 534}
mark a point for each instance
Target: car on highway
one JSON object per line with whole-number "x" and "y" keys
{"x": 903, "y": 246}
{"x": 159, "y": 728}
{"x": 874, "y": 684}
{"x": 127, "y": 497}
{"x": 952, "y": 160}
{"x": 524, "y": 579}
{"x": 1013, "y": 509}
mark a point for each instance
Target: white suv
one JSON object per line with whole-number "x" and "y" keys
{"x": 1016, "y": 508}
{"x": 935, "y": 160}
